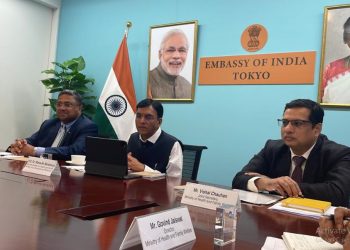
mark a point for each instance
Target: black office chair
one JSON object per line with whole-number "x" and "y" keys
{"x": 191, "y": 158}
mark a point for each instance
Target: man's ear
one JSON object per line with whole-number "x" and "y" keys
{"x": 160, "y": 120}
{"x": 318, "y": 129}
{"x": 159, "y": 54}
{"x": 81, "y": 108}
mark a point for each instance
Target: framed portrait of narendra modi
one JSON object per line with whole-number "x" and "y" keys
{"x": 172, "y": 61}
{"x": 334, "y": 84}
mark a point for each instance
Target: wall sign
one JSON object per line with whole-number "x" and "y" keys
{"x": 278, "y": 68}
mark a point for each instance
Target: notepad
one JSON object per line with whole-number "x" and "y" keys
{"x": 307, "y": 204}
{"x": 307, "y": 242}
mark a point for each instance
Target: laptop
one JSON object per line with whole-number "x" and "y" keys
{"x": 107, "y": 157}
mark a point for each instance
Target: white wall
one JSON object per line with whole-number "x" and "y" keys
{"x": 28, "y": 31}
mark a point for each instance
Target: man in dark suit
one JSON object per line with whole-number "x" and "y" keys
{"x": 60, "y": 137}
{"x": 304, "y": 163}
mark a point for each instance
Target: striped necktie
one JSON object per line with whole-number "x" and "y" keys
{"x": 297, "y": 174}
{"x": 59, "y": 137}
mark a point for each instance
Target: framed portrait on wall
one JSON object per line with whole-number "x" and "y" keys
{"x": 334, "y": 84}
{"x": 172, "y": 61}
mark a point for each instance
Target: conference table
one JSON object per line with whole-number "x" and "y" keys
{"x": 33, "y": 212}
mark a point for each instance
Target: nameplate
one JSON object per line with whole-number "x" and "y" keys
{"x": 162, "y": 230}
{"x": 42, "y": 166}
{"x": 209, "y": 197}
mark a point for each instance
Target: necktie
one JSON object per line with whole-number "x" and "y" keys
{"x": 297, "y": 174}
{"x": 59, "y": 137}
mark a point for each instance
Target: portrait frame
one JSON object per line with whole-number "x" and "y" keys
{"x": 332, "y": 89}
{"x": 160, "y": 84}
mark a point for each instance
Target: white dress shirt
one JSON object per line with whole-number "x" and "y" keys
{"x": 174, "y": 167}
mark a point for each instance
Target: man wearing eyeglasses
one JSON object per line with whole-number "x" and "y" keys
{"x": 59, "y": 137}
{"x": 304, "y": 163}
{"x": 151, "y": 149}
{"x": 165, "y": 80}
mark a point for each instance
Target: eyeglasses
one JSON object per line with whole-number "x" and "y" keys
{"x": 64, "y": 104}
{"x": 294, "y": 123}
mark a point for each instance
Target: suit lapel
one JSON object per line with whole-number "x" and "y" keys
{"x": 312, "y": 165}
{"x": 68, "y": 135}
{"x": 283, "y": 164}
{"x": 52, "y": 133}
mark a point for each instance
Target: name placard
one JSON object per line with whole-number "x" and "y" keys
{"x": 163, "y": 230}
{"x": 209, "y": 197}
{"x": 42, "y": 166}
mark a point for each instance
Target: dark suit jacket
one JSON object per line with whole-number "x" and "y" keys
{"x": 326, "y": 175}
{"x": 73, "y": 142}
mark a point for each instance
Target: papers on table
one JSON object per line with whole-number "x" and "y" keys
{"x": 75, "y": 167}
{"x": 308, "y": 242}
{"x": 292, "y": 241}
{"x": 149, "y": 175}
{"x": 258, "y": 198}
{"x": 4, "y": 154}
{"x": 272, "y": 243}
{"x": 9, "y": 156}
{"x": 305, "y": 213}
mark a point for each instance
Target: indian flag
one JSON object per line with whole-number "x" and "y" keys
{"x": 115, "y": 113}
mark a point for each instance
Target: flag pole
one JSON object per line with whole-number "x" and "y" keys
{"x": 128, "y": 26}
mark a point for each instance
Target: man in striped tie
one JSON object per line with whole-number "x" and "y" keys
{"x": 61, "y": 136}
{"x": 304, "y": 163}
